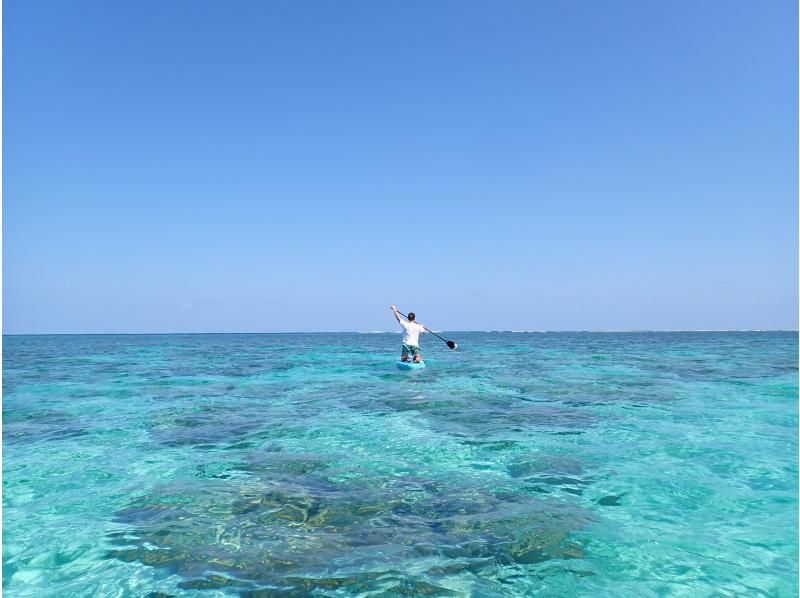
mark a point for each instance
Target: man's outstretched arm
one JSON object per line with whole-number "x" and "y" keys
{"x": 396, "y": 315}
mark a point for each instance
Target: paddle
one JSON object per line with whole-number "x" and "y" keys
{"x": 450, "y": 344}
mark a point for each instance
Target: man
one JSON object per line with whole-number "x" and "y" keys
{"x": 411, "y": 332}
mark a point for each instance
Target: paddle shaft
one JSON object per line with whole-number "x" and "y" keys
{"x": 426, "y": 328}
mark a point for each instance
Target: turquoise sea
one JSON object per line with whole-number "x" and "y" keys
{"x": 523, "y": 464}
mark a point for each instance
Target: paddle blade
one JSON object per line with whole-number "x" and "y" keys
{"x": 452, "y": 345}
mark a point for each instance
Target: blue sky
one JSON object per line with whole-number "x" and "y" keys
{"x": 298, "y": 165}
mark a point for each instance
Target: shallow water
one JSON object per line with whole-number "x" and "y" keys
{"x": 552, "y": 464}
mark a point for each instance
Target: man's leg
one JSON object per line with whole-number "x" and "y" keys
{"x": 417, "y": 354}
{"x": 404, "y": 355}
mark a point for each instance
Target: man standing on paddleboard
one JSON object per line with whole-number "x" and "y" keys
{"x": 411, "y": 332}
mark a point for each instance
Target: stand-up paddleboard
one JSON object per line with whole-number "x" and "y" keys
{"x": 410, "y": 365}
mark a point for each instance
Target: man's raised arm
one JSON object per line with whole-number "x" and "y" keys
{"x": 396, "y": 315}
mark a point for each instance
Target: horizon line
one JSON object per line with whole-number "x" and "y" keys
{"x": 595, "y": 331}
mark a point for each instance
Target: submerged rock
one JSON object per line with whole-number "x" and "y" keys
{"x": 301, "y": 534}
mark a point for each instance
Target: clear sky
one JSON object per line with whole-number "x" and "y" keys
{"x": 300, "y": 165}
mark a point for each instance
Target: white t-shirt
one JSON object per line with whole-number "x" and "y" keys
{"x": 411, "y": 332}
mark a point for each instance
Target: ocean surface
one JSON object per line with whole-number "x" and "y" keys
{"x": 523, "y": 464}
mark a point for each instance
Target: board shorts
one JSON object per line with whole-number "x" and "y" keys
{"x": 413, "y": 349}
